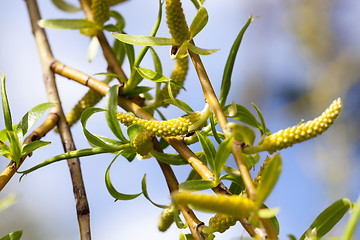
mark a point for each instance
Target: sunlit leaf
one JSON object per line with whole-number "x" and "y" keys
{"x": 7, "y": 201}
{"x": 172, "y": 159}
{"x": 197, "y": 185}
{"x": 32, "y": 116}
{"x": 329, "y": 218}
{"x": 113, "y": 192}
{"x": 236, "y": 180}
{"x": 213, "y": 130}
{"x": 134, "y": 130}
{"x": 352, "y": 222}
{"x": 65, "y": 6}
{"x": 66, "y": 24}
{"x": 15, "y": 144}
{"x": 200, "y": 51}
{"x": 120, "y": 21}
{"x": 13, "y": 236}
{"x": 242, "y": 133}
{"x": 144, "y": 191}
{"x": 130, "y": 53}
{"x": 143, "y": 40}
{"x": 199, "y": 22}
{"x": 269, "y": 179}
{"x": 208, "y": 148}
{"x": 262, "y": 120}
{"x": 138, "y": 90}
{"x": 222, "y": 155}
{"x": 5, "y": 105}
{"x": 33, "y": 146}
{"x": 111, "y": 107}
{"x": 180, "y": 104}
{"x": 226, "y": 80}
{"x": 157, "y": 62}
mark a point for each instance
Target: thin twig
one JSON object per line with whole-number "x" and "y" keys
{"x": 176, "y": 143}
{"x": 46, "y": 57}
{"x": 210, "y": 97}
{"x": 37, "y": 134}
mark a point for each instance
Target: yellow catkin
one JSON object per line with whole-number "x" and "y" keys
{"x": 230, "y": 205}
{"x": 296, "y": 134}
{"x": 221, "y": 222}
{"x": 176, "y": 22}
{"x": 178, "y": 76}
{"x": 101, "y": 11}
{"x": 143, "y": 143}
{"x": 170, "y": 128}
{"x": 258, "y": 178}
{"x": 89, "y": 100}
{"x": 166, "y": 219}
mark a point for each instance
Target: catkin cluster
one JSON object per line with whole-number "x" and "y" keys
{"x": 101, "y": 11}
{"x": 258, "y": 178}
{"x": 143, "y": 143}
{"x": 166, "y": 219}
{"x": 176, "y": 22}
{"x": 296, "y": 134}
{"x": 89, "y": 100}
{"x": 178, "y": 76}
{"x": 170, "y": 128}
{"x": 221, "y": 222}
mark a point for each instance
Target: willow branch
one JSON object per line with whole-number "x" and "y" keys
{"x": 46, "y": 57}
{"x": 176, "y": 143}
{"x": 37, "y": 134}
{"x": 210, "y": 97}
{"x": 108, "y": 53}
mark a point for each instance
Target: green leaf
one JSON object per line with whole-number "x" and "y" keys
{"x": 5, "y": 105}
{"x": 242, "y": 133}
{"x": 352, "y": 222}
{"x": 32, "y": 116}
{"x": 119, "y": 50}
{"x": 129, "y": 154}
{"x": 143, "y": 40}
{"x": 250, "y": 159}
{"x": 144, "y": 191}
{"x": 93, "y": 140}
{"x": 329, "y": 218}
{"x": 172, "y": 159}
{"x": 3, "y": 137}
{"x": 222, "y": 154}
{"x": 291, "y": 237}
{"x": 180, "y": 104}
{"x": 182, "y": 236}
{"x": 115, "y": 194}
{"x": 130, "y": 53}
{"x": 197, "y": 185}
{"x": 269, "y": 179}
{"x": 200, "y": 51}
{"x": 138, "y": 90}
{"x": 245, "y": 116}
{"x": 134, "y": 130}
{"x": 72, "y": 154}
{"x": 65, "y": 6}
{"x": 111, "y": 99}
{"x": 213, "y": 129}
{"x": 226, "y": 80}
{"x": 197, "y": 3}
{"x": 8, "y": 201}
{"x": 157, "y": 62}
{"x": 13, "y": 236}
{"x": 93, "y": 48}
{"x": 208, "y": 148}
{"x": 234, "y": 179}
{"x": 151, "y": 75}
{"x": 66, "y": 24}
{"x": 262, "y": 120}
{"x": 5, "y": 150}
{"x": 33, "y": 146}
{"x": 15, "y": 144}
{"x": 199, "y": 22}
{"x": 120, "y": 21}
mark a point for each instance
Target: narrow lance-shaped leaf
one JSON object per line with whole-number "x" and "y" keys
{"x": 66, "y": 24}
{"x": 13, "y": 236}
{"x": 262, "y": 120}
{"x": 244, "y": 115}
{"x": 111, "y": 107}
{"x": 177, "y": 102}
{"x": 269, "y": 179}
{"x": 115, "y": 194}
{"x": 65, "y": 6}
{"x": 15, "y": 145}
{"x": 208, "y": 148}
{"x": 352, "y": 222}
{"x": 144, "y": 191}
{"x": 328, "y": 218}
{"x": 33, "y": 146}
{"x": 5, "y": 105}
{"x": 226, "y": 81}
{"x": 222, "y": 155}
{"x": 200, "y": 51}
{"x": 32, "y": 116}
{"x": 241, "y": 132}
{"x": 143, "y": 40}
{"x": 197, "y": 185}
{"x": 172, "y": 159}
{"x": 199, "y": 22}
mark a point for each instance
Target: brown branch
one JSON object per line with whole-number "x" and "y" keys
{"x": 176, "y": 143}
{"x": 210, "y": 97}
{"x": 37, "y": 134}
{"x": 46, "y": 57}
